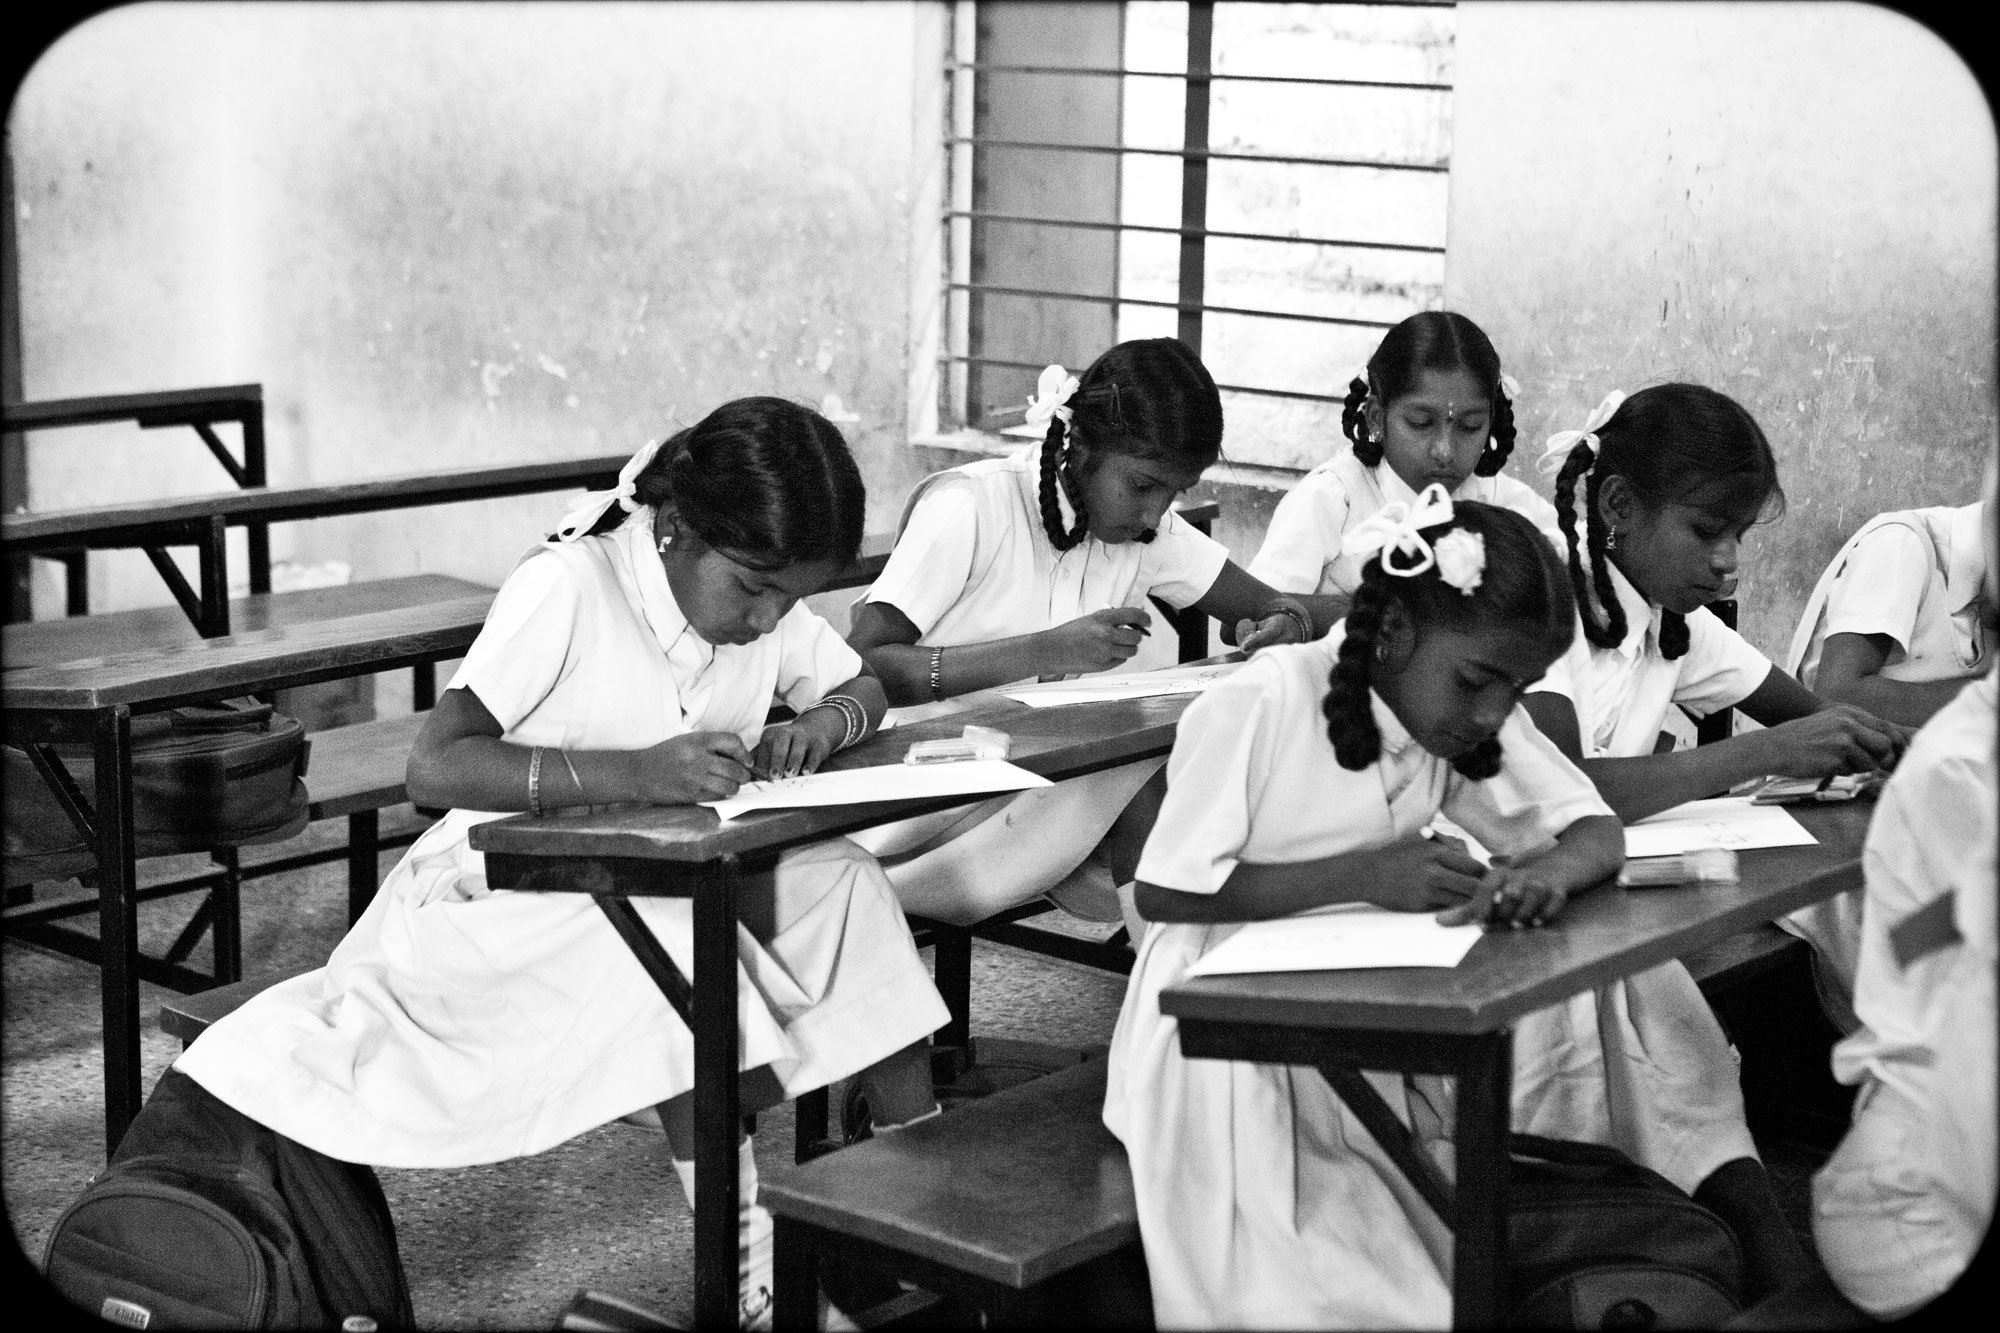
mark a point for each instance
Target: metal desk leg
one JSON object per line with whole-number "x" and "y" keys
{"x": 117, "y": 920}
{"x": 1479, "y": 1263}
{"x": 717, "y": 1112}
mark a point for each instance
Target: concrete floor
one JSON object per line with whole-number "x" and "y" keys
{"x": 502, "y": 1246}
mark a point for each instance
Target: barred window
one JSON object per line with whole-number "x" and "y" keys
{"x": 1266, "y": 181}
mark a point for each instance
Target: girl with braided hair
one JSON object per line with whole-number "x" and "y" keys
{"x": 1654, "y": 496}
{"x": 1039, "y": 565}
{"x": 1306, "y": 780}
{"x": 1432, "y": 406}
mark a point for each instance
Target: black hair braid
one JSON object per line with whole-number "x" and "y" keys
{"x": 1494, "y": 456}
{"x": 1612, "y": 633}
{"x": 1354, "y": 424}
{"x": 1673, "y": 635}
{"x": 1350, "y": 716}
{"x": 1052, "y": 511}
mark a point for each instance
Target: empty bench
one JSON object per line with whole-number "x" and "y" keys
{"x": 1018, "y": 1208}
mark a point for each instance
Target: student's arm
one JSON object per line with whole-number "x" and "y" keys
{"x": 1808, "y": 740}
{"x": 887, "y": 642}
{"x": 1325, "y": 607}
{"x": 1413, "y": 875}
{"x": 1529, "y": 890}
{"x": 1250, "y": 610}
{"x": 1850, "y": 668}
{"x": 460, "y": 762}
{"x": 804, "y": 743}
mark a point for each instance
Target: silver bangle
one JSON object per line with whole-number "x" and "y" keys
{"x": 1299, "y": 618}
{"x": 937, "y": 673}
{"x": 573, "y": 777}
{"x": 535, "y": 781}
{"x": 853, "y": 717}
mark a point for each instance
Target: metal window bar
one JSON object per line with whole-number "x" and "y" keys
{"x": 1194, "y": 171}
{"x": 1193, "y": 155}
{"x": 979, "y": 215}
{"x": 950, "y": 358}
{"x": 1092, "y": 71}
{"x": 1185, "y": 308}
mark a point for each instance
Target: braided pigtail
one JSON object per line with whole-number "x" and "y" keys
{"x": 1350, "y": 716}
{"x": 1494, "y": 456}
{"x": 1673, "y": 635}
{"x": 1354, "y": 423}
{"x": 1612, "y": 632}
{"x": 1052, "y": 453}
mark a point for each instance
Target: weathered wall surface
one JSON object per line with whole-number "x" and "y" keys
{"x": 1794, "y": 204}
{"x": 454, "y": 235}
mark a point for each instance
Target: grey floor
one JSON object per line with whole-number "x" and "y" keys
{"x": 503, "y": 1246}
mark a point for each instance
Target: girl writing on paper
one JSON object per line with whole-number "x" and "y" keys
{"x": 632, "y": 657}
{"x": 1039, "y": 564}
{"x": 1432, "y": 406}
{"x": 1307, "y": 779}
{"x": 1671, "y": 480}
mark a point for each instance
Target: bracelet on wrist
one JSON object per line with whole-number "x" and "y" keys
{"x": 937, "y": 673}
{"x": 854, "y": 718}
{"x": 535, "y": 781}
{"x": 1300, "y": 620}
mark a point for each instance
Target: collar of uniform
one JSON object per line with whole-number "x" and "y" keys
{"x": 656, "y": 596}
{"x": 1967, "y": 568}
{"x": 1642, "y": 618}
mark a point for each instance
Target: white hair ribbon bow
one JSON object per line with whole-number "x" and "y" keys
{"x": 1558, "y": 448}
{"x": 625, "y": 495}
{"x": 1052, "y": 391}
{"x": 1397, "y": 530}
{"x": 1510, "y": 386}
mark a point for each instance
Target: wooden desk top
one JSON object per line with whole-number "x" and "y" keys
{"x": 265, "y": 504}
{"x": 36, "y": 643}
{"x": 258, "y": 660}
{"x": 1054, "y": 742}
{"x": 172, "y": 407}
{"x": 1606, "y": 934}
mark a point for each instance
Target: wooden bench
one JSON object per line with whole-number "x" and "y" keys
{"x": 1018, "y": 1208}
{"x": 188, "y": 1016}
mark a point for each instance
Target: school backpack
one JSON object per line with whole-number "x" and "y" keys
{"x": 206, "y": 1219}
{"x": 1597, "y": 1241}
{"x": 204, "y": 775}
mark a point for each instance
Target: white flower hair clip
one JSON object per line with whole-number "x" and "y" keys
{"x": 1395, "y": 532}
{"x": 1510, "y": 387}
{"x": 1461, "y": 559}
{"x": 1052, "y": 393}
{"x": 1557, "y": 451}
{"x": 625, "y": 495}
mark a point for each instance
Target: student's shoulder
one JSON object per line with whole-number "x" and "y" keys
{"x": 1336, "y": 479}
{"x": 1291, "y": 675}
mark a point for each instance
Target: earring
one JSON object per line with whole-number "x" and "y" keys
{"x": 665, "y": 542}
{"x": 1381, "y": 651}
{"x": 1611, "y": 539}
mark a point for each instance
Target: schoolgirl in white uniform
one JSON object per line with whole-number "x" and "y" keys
{"x": 1673, "y": 477}
{"x": 1432, "y": 407}
{"x": 632, "y": 657}
{"x": 1306, "y": 780}
{"x": 1039, "y": 564}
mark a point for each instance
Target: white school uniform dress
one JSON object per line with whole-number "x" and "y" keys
{"x": 973, "y": 564}
{"x": 457, "y": 1025}
{"x": 1904, "y": 1202}
{"x": 1263, "y": 1202}
{"x": 1915, "y": 576}
{"x": 1301, "y": 551}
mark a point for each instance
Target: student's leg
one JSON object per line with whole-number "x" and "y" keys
{"x": 1022, "y": 851}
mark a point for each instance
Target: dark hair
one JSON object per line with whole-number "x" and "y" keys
{"x": 766, "y": 481}
{"x": 1679, "y": 443}
{"x": 1151, "y": 398}
{"x": 1523, "y": 584}
{"x": 1430, "y": 340}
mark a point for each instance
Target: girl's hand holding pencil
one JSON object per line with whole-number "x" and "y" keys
{"x": 695, "y": 766}
{"x": 1096, "y": 642}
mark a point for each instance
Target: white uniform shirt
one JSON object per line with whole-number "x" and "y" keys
{"x": 972, "y": 563}
{"x": 1903, "y": 1204}
{"x": 1913, "y": 575}
{"x": 1301, "y": 551}
{"x": 1622, "y": 694}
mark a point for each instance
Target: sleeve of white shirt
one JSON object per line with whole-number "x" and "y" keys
{"x": 1304, "y": 536}
{"x": 1720, "y": 669}
{"x": 1535, "y": 796}
{"x": 932, "y": 561}
{"x": 523, "y": 649}
{"x": 1881, "y": 586}
{"x": 1561, "y": 677}
{"x": 1214, "y": 777}
{"x": 813, "y": 659}
{"x": 1182, "y": 562}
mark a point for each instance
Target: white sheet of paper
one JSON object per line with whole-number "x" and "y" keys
{"x": 1725, "y": 821}
{"x": 1352, "y": 936}
{"x": 883, "y": 782}
{"x": 1128, "y": 685}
